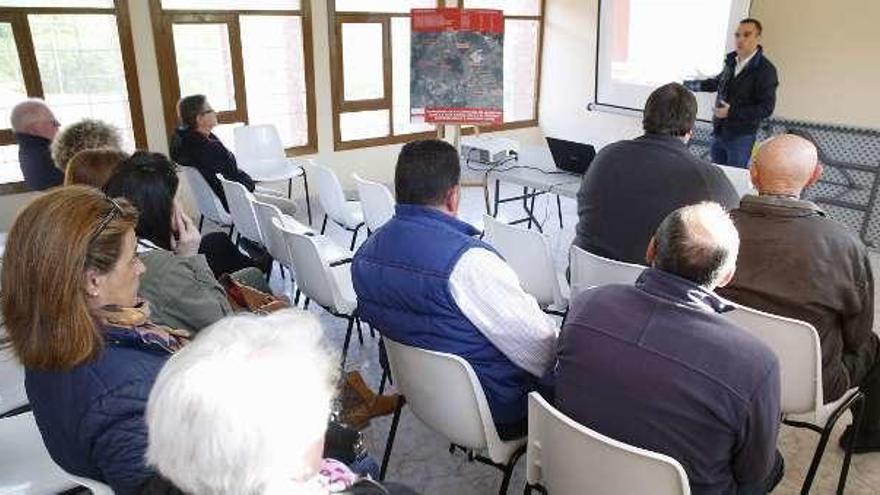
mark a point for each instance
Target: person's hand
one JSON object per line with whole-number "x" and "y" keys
{"x": 186, "y": 238}
{"x": 722, "y": 110}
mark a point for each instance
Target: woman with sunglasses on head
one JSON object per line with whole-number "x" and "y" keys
{"x": 91, "y": 353}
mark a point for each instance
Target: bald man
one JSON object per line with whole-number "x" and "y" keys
{"x": 35, "y": 126}
{"x": 657, "y": 366}
{"x": 794, "y": 261}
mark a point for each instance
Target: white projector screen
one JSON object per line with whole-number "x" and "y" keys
{"x": 644, "y": 44}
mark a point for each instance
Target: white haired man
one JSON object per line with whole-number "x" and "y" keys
{"x": 35, "y": 126}
{"x": 654, "y": 365}
{"x": 219, "y": 423}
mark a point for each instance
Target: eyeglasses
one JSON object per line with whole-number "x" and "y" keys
{"x": 115, "y": 211}
{"x": 205, "y": 112}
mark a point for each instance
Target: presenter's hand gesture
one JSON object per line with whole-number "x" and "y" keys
{"x": 722, "y": 109}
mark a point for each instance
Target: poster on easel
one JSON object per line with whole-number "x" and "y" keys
{"x": 457, "y": 66}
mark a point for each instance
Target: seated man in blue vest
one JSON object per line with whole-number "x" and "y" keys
{"x": 425, "y": 280}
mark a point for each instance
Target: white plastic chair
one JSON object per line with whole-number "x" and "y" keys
{"x": 321, "y": 279}
{"x": 241, "y": 208}
{"x": 529, "y": 254}
{"x": 12, "y": 394}
{"x": 796, "y": 345}
{"x": 376, "y": 201}
{"x": 259, "y": 152}
{"x": 275, "y": 245}
{"x": 96, "y": 487}
{"x": 209, "y": 204}
{"x": 740, "y": 178}
{"x": 346, "y": 214}
{"x": 566, "y": 458}
{"x": 443, "y": 391}
{"x": 25, "y": 465}
{"x": 589, "y": 270}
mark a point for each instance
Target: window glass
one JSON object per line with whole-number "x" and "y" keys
{"x": 9, "y": 169}
{"x": 363, "y": 125}
{"x": 274, "y": 69}
{"x": 400, "y": 51}
{"x": 231, "y": 4}
{"x": 510, "y": 7}
{"x": 394, "y": 6}
{"x": 362, "y": 62}
{"x": 204, "y": 63}
{"x": 12, "y": 89}
{"x": 67, "y": 45}
{"x": 520, "y": 69}
{"x": 107, "y": 4}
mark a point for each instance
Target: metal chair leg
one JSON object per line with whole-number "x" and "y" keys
{"x": 347, "y": 340}
{"x": 296, "y": 297}
{"x": 357, "y": 321}
{"x": 201, "y": 222}
{"x": 324, "y": 225}
{"x": 858, "y": 414}
{"x": 386, "y": 456}
{"x": 354, "y": 237}
{"x": 306, "y": 303}
{"x": 308, "y": 201}
{"x": 383, "y": 381}
{"x": 508, "y": 470}
{"x": 559, "y": 210}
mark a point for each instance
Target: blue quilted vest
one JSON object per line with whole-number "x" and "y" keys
{"x": 401, "y": 277}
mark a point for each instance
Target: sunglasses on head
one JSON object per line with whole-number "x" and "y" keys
{"x": 114, "y": 211}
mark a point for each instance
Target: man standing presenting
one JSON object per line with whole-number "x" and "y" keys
{"x": 746, "y": 91}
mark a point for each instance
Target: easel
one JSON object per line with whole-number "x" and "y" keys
{"x": 454, "y": 138}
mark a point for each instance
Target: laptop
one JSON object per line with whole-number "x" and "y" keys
{"x": 571, "y": 156}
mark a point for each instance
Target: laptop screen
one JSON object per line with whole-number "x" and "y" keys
{"x": 571, "y": 156}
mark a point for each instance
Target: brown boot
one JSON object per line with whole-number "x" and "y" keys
{"x": 360, "y": 404}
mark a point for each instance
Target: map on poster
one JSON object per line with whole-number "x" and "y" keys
{"x": 457, "y": 66}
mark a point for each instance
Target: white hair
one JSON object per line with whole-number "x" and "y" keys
{"x": 242, "y": 407}
{"x": 27, "y": 113}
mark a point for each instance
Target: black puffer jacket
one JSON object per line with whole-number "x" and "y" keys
{"x": 751, "y": 94}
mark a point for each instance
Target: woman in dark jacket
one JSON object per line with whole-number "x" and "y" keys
{"x": 91, "y": 354}
{"x": 194, "y": 145}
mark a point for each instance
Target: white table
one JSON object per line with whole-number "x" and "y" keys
{"x": 536, "y": 172}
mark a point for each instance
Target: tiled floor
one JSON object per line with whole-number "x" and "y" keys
{"x": 421, "y": 458}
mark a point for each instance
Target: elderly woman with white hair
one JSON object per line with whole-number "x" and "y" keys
{"x": 219, "y": 423}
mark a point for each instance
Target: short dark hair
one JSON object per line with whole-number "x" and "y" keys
{"x": 696, "y": 242}
{"x": 149, "y": 181}
{"x": 755, "y": 22}
{"x": 189, "y": 108}
{"x": 426, "y": 171}
{"x": 670, "y": 110}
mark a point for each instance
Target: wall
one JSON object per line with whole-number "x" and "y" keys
{"x": 828, "y": 56}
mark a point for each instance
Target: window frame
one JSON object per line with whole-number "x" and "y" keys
{"x": 163, "y": 21}
{"x": 339, "y": 105}
{"x": 17, "y": 17}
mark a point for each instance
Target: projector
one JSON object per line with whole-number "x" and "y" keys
{"x": 484, "y": 149}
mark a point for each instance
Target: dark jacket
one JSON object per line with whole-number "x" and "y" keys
{"x": 92, "y": 417}
{"x": 208, "y": 155}
{"x": 654, "y": 365}
{"x": 35, "y": 160}
{"x": 751, "y": 95}
{"x": 632, "y": 185}
{"x": 796, "y": 262}
{"x": 401, "y": 277}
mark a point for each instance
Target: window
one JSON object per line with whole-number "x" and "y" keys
{"x": 75, "y": 54}
{"x": 251, "y": 58}
{"x": 369, "y": 50}
{"x": 370, "y": 64}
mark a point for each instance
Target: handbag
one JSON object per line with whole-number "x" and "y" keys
{"x": 243, "y": 297}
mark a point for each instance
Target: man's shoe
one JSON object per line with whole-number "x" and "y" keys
{"x": 868, "y": 440}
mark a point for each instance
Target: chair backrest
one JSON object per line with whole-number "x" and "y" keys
{"x": 445, "y": 394}
{"x": 25, "y": 464}
{"x": 96, "y": 487}
{"x": 740, "y": 178}
{"x": 240, "y": 207}
{"x": 568, "y": 458}
{"x": 376, "y": 202}
{"x": 208, "y": 202}
{"x": 258, "y": 142}
{"x": 330, "y": 193}
{"x": 265, "y": 212}
{"x": 589, "y": 270}
{"x": 12, "y": 393}
{"x": 528, "y": 253}
{"x": 313, "y": 276}
{"x": 796, "y": 345}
